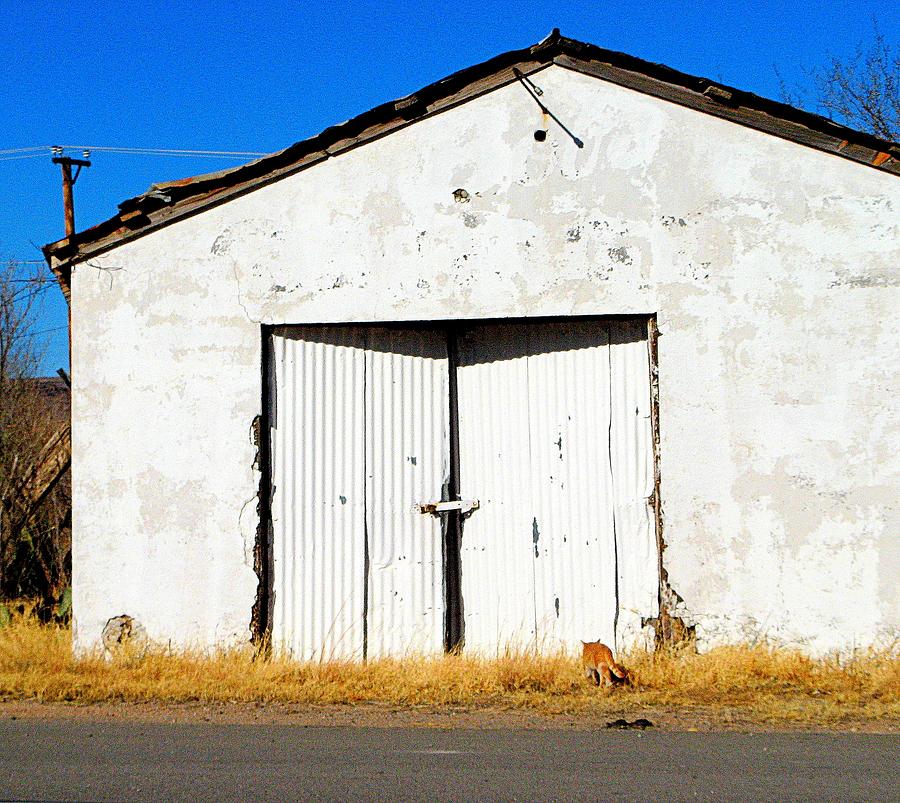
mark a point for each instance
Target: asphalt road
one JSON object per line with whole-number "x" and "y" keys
{"x": 71, "y": 760}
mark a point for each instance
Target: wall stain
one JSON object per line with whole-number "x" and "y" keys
{"x": 221, "y": 244}
{"x": 671, "y": 220}
{"x": 620, "y": 255}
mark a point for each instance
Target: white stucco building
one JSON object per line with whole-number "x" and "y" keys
{"x": 635, "y": 330}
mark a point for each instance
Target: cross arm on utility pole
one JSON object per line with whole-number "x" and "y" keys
{"x": 66, "y": 163}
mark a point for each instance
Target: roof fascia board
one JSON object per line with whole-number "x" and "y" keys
{"x": 137, "y": 224}
{"x": 726, "y": 104}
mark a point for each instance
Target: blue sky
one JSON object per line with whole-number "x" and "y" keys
{"x": 259, "y": 76}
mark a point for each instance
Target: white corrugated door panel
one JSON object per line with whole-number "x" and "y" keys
{"x": 631, "y": 455}
{"x": 497, "y": 562}
{"x": 407, "y": 413}
{"x": 318, "y": 493}
{"x": 571, "y": 483}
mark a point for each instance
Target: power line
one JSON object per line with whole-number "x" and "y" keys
{"x": 20, "y": 150}
{"x": 22, "y": 156}
{"x": 9, "y": 154}
{"x": 164, "y": 151}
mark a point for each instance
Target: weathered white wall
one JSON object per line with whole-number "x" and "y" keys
{"x": 772, "y": 267}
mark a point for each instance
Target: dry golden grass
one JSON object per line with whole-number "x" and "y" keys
{"x": 762, "y": 683}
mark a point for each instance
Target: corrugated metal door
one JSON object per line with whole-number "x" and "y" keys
{"x": 557, "y": 449}
{"x": 318, "y": 492}
{"x": 497, "y": 565}
{"x": 407, "y": 413}
{"x": 554, "y": 441}
{"x": 360, "y": 437}
{"x": 631, "y": 457}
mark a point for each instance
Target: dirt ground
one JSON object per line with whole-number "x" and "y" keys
{"x": 383, "y": 716}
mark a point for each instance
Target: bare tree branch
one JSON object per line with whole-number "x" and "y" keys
{"x": 34, "y": 515}
{"x": 864, "y": 91}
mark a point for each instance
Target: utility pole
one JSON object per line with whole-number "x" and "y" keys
{"x": 68, "y": 181}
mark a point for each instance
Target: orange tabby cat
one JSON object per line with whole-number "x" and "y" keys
{"x": 599, "y": 664}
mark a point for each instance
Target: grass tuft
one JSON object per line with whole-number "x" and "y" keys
{"x": 762, "y": 682}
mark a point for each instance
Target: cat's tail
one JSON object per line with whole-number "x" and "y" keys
{"x": 618, "y": 670}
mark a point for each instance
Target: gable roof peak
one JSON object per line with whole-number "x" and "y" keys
{"x": 166, "y": 202}
{"x": 553, "y": 36}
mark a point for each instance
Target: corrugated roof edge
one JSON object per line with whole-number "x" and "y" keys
{"x": 167, "y": 202}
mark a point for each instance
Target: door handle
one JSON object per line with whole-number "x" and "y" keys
{"x": 464, "y": 506}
